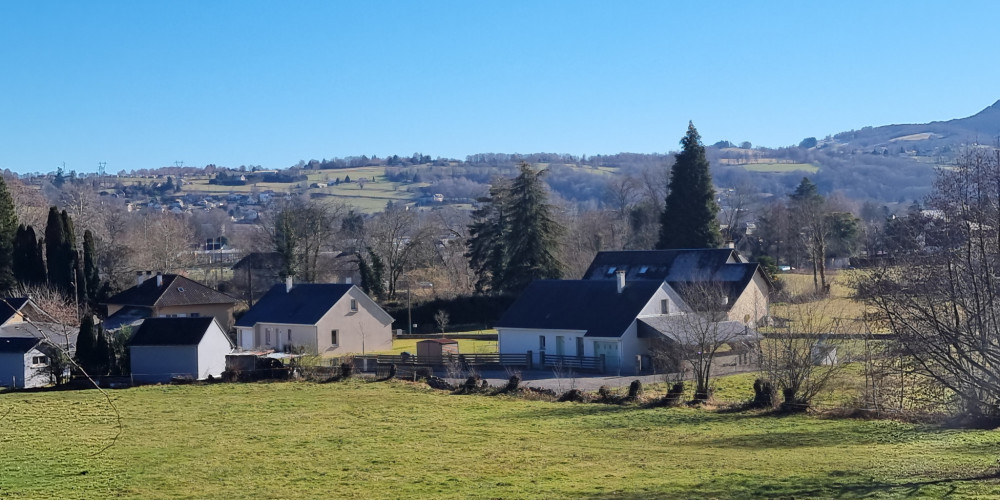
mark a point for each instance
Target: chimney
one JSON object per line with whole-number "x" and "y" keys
{"x": 347, "y": 280}
{"x": 159, "y": 279}
{"x": 730, "y": 244}
{"x": 139, "y": 278}
{"x": 620, "y": 275}
{"x": 288, "y": 284}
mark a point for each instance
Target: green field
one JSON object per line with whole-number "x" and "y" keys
{"x": 465, "y": 346}
{"x": 392, "y": 440}
{"x": 781, "y": 167}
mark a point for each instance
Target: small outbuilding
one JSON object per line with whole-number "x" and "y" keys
{"x": 24, "y": 362}
{"x": 436, "y": 348}
{"x": 166, "y": 348}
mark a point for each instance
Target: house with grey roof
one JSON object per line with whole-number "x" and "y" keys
{"x": 24, "y": 362}
{"x": 629, "y": 301}
{"x": 168, "y": 296}
{"x": 28, "y": 341}
{"x": 162, "y": 349}
{"x": 327, "y": 319}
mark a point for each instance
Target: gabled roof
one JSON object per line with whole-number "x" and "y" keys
{"x": 175, "y": 291}
{"x": 680, "y": 329}
{"x": 171, "y": 331}
{"x": 17, "y": 345}
{"x": 694, "y": 264}
{"x": 305, "y": 304}
{"x": 593, "y": 306}
{"x": 65, "y": 337}
{"x": 10, "y": 306}
{"x": 127, "y": 316}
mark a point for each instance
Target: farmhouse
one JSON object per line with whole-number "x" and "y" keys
{"x": 168, "y": 296}
{"x": 164, "y": 348}
{"x": 324, "y": 319}
{"x": 628, "y": 301}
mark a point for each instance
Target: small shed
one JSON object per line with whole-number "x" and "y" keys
{"x": 23, "y": 362}
{"x": 436, "y": 348}
{"x": 166, "y": 348}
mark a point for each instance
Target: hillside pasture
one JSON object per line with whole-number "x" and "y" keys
{"x": 780, "y": 167}
{"x": 396, "y": 440}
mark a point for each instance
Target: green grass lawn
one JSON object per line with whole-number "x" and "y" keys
{"x": 391, "y": 440}
{"x": 781, "y": 167}
{"x": 465, "y": 346}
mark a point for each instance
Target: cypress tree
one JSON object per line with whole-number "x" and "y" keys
{"x": 377, "y": 275}
{"x": 29, "y": 268}
{"x": 86, "y": 342}
{"x": 8, "y": 230}
{"x": 689, "y": 219}
{"x": 102, "y": 352}
{"x": 90, "y": 273}
{"x": 366, "y": 273}
{"x": 55, "y": 241}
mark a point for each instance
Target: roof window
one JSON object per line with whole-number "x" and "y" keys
{"x": 180, "y": 289}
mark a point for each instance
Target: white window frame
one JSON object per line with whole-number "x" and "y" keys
{"x": 354, "y": 305}
{"x": 334, "y": 338}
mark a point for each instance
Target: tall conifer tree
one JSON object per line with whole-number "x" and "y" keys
{"x": 689, "y": 219}
{"x": 29, "y": 268}
{"x": 8, "y": 230}
{"x": 90, "y": 273}
{"x": 55, "y": 242}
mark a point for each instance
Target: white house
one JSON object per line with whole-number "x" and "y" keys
{"x": 163, "y": 348}
{"x": 24, "y": 362}
{"x": 326, "y": 319}
{"x": 630, "y": 299}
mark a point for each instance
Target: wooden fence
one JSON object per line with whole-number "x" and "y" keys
{"x": 585, "y": 363}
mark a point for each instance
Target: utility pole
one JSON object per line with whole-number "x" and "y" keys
{"x": 100, "y": 173}
{"x": 409, "y": 310}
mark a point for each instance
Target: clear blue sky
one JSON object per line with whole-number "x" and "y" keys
{"x": 142, "y": 84}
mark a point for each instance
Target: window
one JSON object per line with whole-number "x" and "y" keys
{"x": 267, "y": 336}
{"x": 354, "y": 305}
{"x": 611, "y": 270}
{"x": 333, "y": 338}
{"x": 541, "y": 342}
{"x": 39, "y": 360}
{"x": 643, "y": 269}
{"x": 664, "y": 306}
{"x": 180, "y": 289}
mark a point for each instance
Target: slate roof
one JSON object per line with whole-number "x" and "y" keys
{"x": 17, "y": 345}
{"x": 594, "y": 306}
{"x": 175, "y": 291}
{"x": 127, "y": 316}
{"x": 693, "y": 264}
{"x": 53, "y": 332}
{"x": 680, "y": 329}
{"x": 171, "y": 331}
{"x": 681, "y": 269}
{"x": 10, "y": 306}
{"x": 305, "y": 304}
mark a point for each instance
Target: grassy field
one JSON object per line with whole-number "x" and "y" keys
{"x": 391, "y": 440}
{"x": 781, "y": 167}
{"x": 465, "y": 346}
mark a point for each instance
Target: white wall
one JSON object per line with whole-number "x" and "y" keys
{"x": 368, "y": 329}
{"x": 152, "y": 364}
{"x": 17, "y": 371}
{"x": 212, "y": 352}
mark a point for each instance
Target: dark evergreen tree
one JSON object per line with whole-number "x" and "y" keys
{"x": 377, "y": 275}
{"x": 514, "y": 235}
{"x": 534, "y": 236}
{"x": 90, "y": 272}
{"x": 488, "y": 239}
{"x": 690, "y": 217}
{"x": 103, "y": 354}
{"x": 8, "y": 230}
{"x": 59, "y": 268}
{"x": 86, "y": 343}
{"x": 29, "y": 268}
{"x": 366, "y": 273}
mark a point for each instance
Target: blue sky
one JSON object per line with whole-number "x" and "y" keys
{"x": 142, "y": 84}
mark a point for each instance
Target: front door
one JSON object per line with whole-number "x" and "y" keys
{"x": 579, "y": 346}
{"x": 560, "y": 345}
{"x": 610, "y": 352}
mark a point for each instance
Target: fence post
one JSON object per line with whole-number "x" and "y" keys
{"x": 601, "y": 357}
{"x": 541, "y": 359}
{"x": 531, "y": 360}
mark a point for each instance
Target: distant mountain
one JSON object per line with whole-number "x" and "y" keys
{"x": 982, "y": 127}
